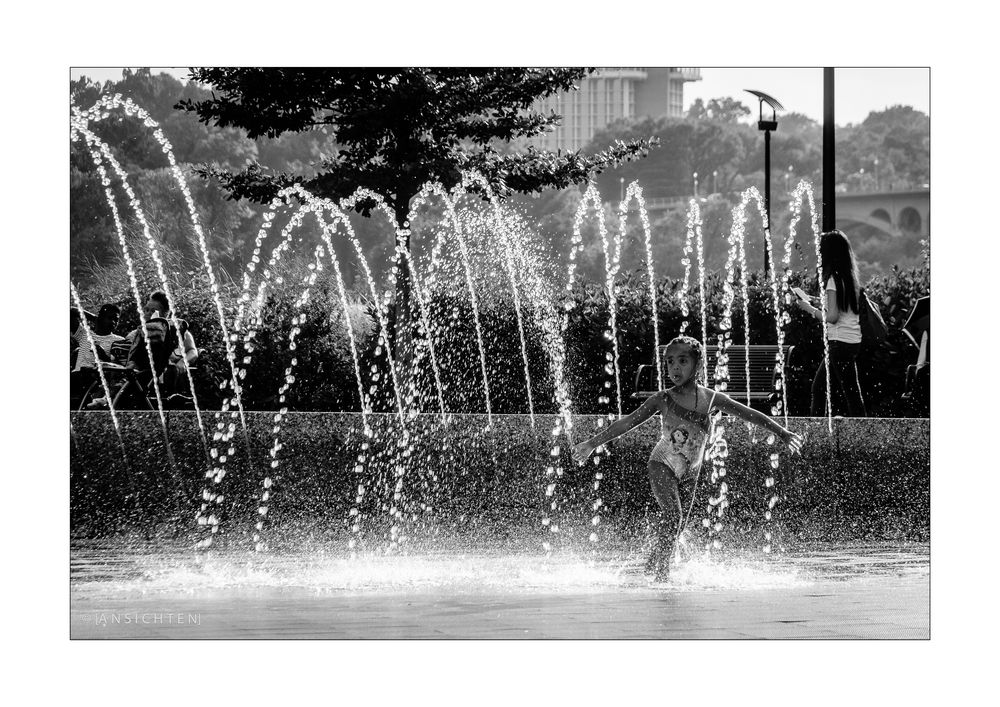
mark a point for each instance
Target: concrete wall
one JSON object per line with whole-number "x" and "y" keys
{"x": 869, "y": 479}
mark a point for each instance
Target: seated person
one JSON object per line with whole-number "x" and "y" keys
{"x": 84, "y": 370}
{"x": 138, "y": 372}
{"x": 918, "y": 376}
{"x": 175, "y": 376}
{"x": 74, "y": 345}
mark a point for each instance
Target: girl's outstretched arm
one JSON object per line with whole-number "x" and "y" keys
{"x": 730, "y": 406}
{"x": 619, "y": 427}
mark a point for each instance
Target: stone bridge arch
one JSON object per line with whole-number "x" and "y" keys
{"x": 895, "y": 213}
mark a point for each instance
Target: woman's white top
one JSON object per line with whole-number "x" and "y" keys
{"x": 847, "y": 328}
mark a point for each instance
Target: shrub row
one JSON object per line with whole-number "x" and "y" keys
{"x": 324, "y": 367}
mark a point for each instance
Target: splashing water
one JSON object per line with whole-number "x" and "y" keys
{"x": 104, "y": 384}
{"x": 654, "y": 313}
{"x": 99, "y": 153}
{"x": 102, "y": 110}
{"x": 298, "y": 319}
{"x": 694, "y": 234}
{"x": 468, "y": 180}
{"x": 386, "y": 458}
{"x": 804, "y": 189}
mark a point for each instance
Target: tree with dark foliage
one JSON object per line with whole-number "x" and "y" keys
{"x": 397, "y": 129}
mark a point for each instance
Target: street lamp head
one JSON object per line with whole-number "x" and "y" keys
{"x": 775, "y": 106}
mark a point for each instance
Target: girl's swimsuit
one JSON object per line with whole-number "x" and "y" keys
{"x": 683, "y": 434}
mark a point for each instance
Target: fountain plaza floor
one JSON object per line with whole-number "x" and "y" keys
{"x": 855, "y": 592}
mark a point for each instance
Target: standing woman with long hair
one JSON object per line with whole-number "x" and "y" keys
{"x": 843, "y": 327}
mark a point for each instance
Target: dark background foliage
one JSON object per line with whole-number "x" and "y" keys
{"x": 711, "y": 138}
{"x": 325, "y": 378}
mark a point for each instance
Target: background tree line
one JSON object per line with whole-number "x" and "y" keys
{"x": 720, "y": 142}
{"x": 717, "y": 136}
{"x": 710, "y": 139}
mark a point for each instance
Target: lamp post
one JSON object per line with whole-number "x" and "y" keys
{"x": 621, "y": 190}
{"x": 715, "y": 180}
{"x": 876, "y": 175}
{"x": 695, "y": 175}
{"x": 767, "y": 126}
{"x": 788, "y": 175}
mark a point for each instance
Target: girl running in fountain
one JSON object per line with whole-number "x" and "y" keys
{"x": 685, "y": 427}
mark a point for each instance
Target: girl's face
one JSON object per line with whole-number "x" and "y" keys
{"x": 682, "y": 364}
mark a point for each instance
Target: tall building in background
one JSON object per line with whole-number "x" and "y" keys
{"x": 611, "y": 94}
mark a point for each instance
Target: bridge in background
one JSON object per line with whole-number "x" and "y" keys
{"x": 896, "y": 213}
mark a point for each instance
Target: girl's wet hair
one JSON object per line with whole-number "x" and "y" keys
{"x": 697, "y": 349}
{"x": 695, "y": 345}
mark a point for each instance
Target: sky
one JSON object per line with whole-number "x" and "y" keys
{"x": 858, "y": 91}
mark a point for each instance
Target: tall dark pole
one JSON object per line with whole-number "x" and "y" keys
{"x": 767, "y": 193}
{"x": 767, "y": 126}
{"x": 829, "y": 154}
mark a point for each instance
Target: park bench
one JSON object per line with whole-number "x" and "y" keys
{"x": 762, "y": 375}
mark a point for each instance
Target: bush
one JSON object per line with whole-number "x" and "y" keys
{"x": 881, "y": 368}
{"x": 324, "y": 370}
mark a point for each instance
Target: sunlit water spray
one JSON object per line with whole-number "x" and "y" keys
{"x": 804, "y": 191}
{"x": 394, "y": 459}
{"x": 737, "y": 238}
{"x": 104, "y": 384}
{"x": 318, "y": 571}
{"x": 99, "y": 154}
{"x": 695, "y": 240}
{"x": 474, "y": 178}
{"x": 99, "y": 111}
{"x": 526, "y": 285}
{"x": 298, "y": 319}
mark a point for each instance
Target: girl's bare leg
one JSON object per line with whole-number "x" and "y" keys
{"x": 668, "y": 526}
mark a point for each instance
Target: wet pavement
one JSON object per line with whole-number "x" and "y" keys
{"x": 816, "y": 592}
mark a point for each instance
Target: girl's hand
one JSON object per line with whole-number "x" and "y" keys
{"x": 803, "y": 305}
{"x": 793, "y": 440}
{"x": 581, "y": 452}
